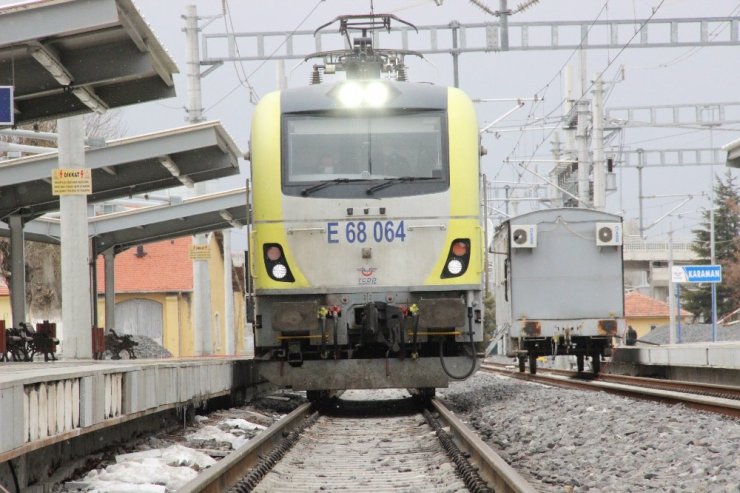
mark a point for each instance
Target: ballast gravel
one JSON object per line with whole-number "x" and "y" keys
{"x": 577, "y": 441}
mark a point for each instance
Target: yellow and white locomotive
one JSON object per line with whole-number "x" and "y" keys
{"x": 366, "y": 250}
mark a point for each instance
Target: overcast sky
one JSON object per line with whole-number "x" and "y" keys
{"x": 652, "y": 77}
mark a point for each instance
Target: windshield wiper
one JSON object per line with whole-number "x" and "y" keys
{"x": 306, "y": 191}
{"x": 400, "y": 179}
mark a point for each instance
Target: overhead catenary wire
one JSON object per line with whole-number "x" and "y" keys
{"x": 621, "y": 50}
{"x": 269, "y": 57}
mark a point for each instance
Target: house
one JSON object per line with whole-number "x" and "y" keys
{"x": 643, "y": 312}
{"x": 5, "y": 310}
{"x": 154, "y": 290}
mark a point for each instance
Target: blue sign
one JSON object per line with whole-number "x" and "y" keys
{"x": 6, "y": 106}
{"x": 697, "y": 273}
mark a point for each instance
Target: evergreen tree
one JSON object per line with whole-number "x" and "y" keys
{"x": 697, "y": 297}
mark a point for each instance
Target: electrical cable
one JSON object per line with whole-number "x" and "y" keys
{"x": 269, "y": 57}
{"x": 621, "y": 50}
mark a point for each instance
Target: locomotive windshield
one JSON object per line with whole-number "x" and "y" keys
{"x": 364, "y": 152}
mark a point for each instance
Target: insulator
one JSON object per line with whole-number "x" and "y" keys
{"x": 315, "y": 75}
{"x": 401, "y": 77}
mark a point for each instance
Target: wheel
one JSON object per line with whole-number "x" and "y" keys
{"x": 579, "y": 362}
{"x": 427, "y": 392}
{"x": 595, "y": 363}
{"x": 532, "y": 364}
{"x": 522, "y": 363}
{"x": 317, "y": 395}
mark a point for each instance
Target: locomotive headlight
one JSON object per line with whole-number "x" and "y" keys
{"x": 454, "y": 266}
{"x": 376, "y": 94}
{"x": 351, "y": 94}
{"x": 279, "y": 271}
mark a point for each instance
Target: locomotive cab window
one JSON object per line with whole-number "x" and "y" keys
{"x": 396, "y": 154}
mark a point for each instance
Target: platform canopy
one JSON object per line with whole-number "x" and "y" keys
{"x": 123, "y": 168}
{"x": 66, "y": 57}
{"x": 733, "y": 153}
{"x": 122, "y": 230}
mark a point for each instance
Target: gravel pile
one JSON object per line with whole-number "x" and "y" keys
{"x": 147, "y": 348}
{"x": 578, "y": 441}
{"x": 694, "y": 333}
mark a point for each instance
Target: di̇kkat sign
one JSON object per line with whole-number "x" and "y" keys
{"x": 71, "y": 181}
{"x": 199, "y": 252}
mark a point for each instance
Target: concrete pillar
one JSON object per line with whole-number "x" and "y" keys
{"x": 109, "y": 259}
{"x": 229, "y": 345}
{"x": 17, "y": 270}
{"x": 76, "y": 295}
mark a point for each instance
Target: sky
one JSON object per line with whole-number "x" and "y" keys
{"x": 663, "y": 76}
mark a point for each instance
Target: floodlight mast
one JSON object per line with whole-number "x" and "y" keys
{"x": 362, "y": 60}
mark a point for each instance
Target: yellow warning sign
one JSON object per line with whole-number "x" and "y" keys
{"x": 71, "y": 181}
{"x": 199, "y": 252}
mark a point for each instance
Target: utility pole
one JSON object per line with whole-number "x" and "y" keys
{"x": 555, "y": 198}
{"x": 599, "y": 172}
{"x": 640, "y": 165}
{"x": 201, "y": 278}
{"x": 570, "y": 135}
{"x": 583, "y": 148}
{"x": 712, "y": 251}
{"x": 671, "y": 291}
{"x": 504, "y": 24}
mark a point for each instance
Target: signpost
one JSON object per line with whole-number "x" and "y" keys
{"x": 199, "y": 252}
{"x": 7, "y": 115}
{"x": 697, "y": 274}
{"x": 71, "y": 181}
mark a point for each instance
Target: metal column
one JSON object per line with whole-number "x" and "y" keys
{"x": 109, "y": 259}
{"x": 17, "y": 270}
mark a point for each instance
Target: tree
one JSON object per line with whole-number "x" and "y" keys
{"x": 697, "y": 298}
{"x": 43, "y": 261}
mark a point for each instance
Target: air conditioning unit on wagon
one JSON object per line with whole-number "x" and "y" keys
{"x": 608, "y": 234}
{"x": 523, "y": 235}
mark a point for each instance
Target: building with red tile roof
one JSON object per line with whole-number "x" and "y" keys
{"x": 5, "y": 310}
{"x": 642, "y": 312}
{"x": 155, "y": 267}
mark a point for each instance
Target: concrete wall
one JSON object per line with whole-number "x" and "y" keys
{"x": 642, "y": 324}
{"x": 59, "y": 404}
{"x": 5, "y": 313}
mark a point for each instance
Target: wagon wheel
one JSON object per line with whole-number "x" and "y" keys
{"x": 579, "y": 362}
{"x": 595, "y": 362}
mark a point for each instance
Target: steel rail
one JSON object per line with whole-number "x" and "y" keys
{"x": 699, "y": 388}
{"x": 718, "y": 405}
{"x": 491, "y": 467}
{"x": 224, "y": 474}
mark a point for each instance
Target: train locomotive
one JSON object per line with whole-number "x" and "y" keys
{"x": 366, "y": 247}
{"x": 559, "y": 285}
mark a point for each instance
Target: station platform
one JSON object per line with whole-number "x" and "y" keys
{"x": 708, "y": 362}
{"x": 43, "y": 403}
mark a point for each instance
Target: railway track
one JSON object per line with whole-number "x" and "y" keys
{"x": 389, "y": 445}
{"x": 720, "y": 399}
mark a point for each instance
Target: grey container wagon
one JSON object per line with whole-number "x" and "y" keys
{"x": 559, "y": 285}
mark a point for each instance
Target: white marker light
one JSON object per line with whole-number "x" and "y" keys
{"x": 351, "y": 95}
{"x": 376, "y": 94}
{"x": 279, "y": 271}
{"x": 454, "y": 267}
